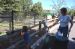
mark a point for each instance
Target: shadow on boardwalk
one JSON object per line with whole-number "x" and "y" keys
{"x": 71, "y": 45}
{"x": 60, "y": 45}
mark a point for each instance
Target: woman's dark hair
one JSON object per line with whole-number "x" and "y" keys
{"x": 63, "y": 10}
{"x": 25, "y": 29}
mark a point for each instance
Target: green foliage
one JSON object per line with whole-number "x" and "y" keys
{"x": 26, "y": 6}
{"x": 0, "y": 32}
{"x": 22, "y": 7}
{"x": 57, "y": 5}
{"x": 37, "y": 8}
{"x": 71, "y": 12}
{"x": 6, "y": 4}
{"x": 16, "y": 5}
{"x": 44, "y": 14}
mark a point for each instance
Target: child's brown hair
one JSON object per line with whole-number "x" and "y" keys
{"x": 63, "y": 11}
{"x": 24, "y": 29}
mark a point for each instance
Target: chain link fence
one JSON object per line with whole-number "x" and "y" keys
{"x": 29, "y": 20}
{"x": 5, "y": 22}
{"x": 15, "y": 20}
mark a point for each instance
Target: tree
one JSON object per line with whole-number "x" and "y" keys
{"x": 6, "y": 4}
{"x": 45, "y": 13}
{"x": 37, "y": 9}
{"x": 21, "y": 7}
{"x": 26, "y": 6}
{"x": 57, "y": 5}
{"x": 71, "y": 12}
{"x": 16, "y": 5}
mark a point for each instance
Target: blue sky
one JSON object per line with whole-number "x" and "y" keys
{"x": 46, "y": 4}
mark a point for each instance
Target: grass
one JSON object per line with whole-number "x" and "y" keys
{"x": 4, "y": 26}
{"x": 2, "y": 33}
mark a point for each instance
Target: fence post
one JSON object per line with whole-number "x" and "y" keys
{"x": 34, "y": 20}
{"x": 39, "y": 26}
{"x": 12, "y": 22}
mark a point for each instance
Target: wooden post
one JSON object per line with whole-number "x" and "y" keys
{"x": 34, "y": 20}
{"x": 12, "y": 22}
{"x": 39, "y": 26}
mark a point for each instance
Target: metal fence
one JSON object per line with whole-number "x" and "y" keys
{"x": 29, "y": 20}
{"x": 5, "y": 21}
{"x": 13, "y": 20}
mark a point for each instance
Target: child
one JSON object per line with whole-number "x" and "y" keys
{"x": 64, "y": 22}
{"x": 26, "y": 37}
